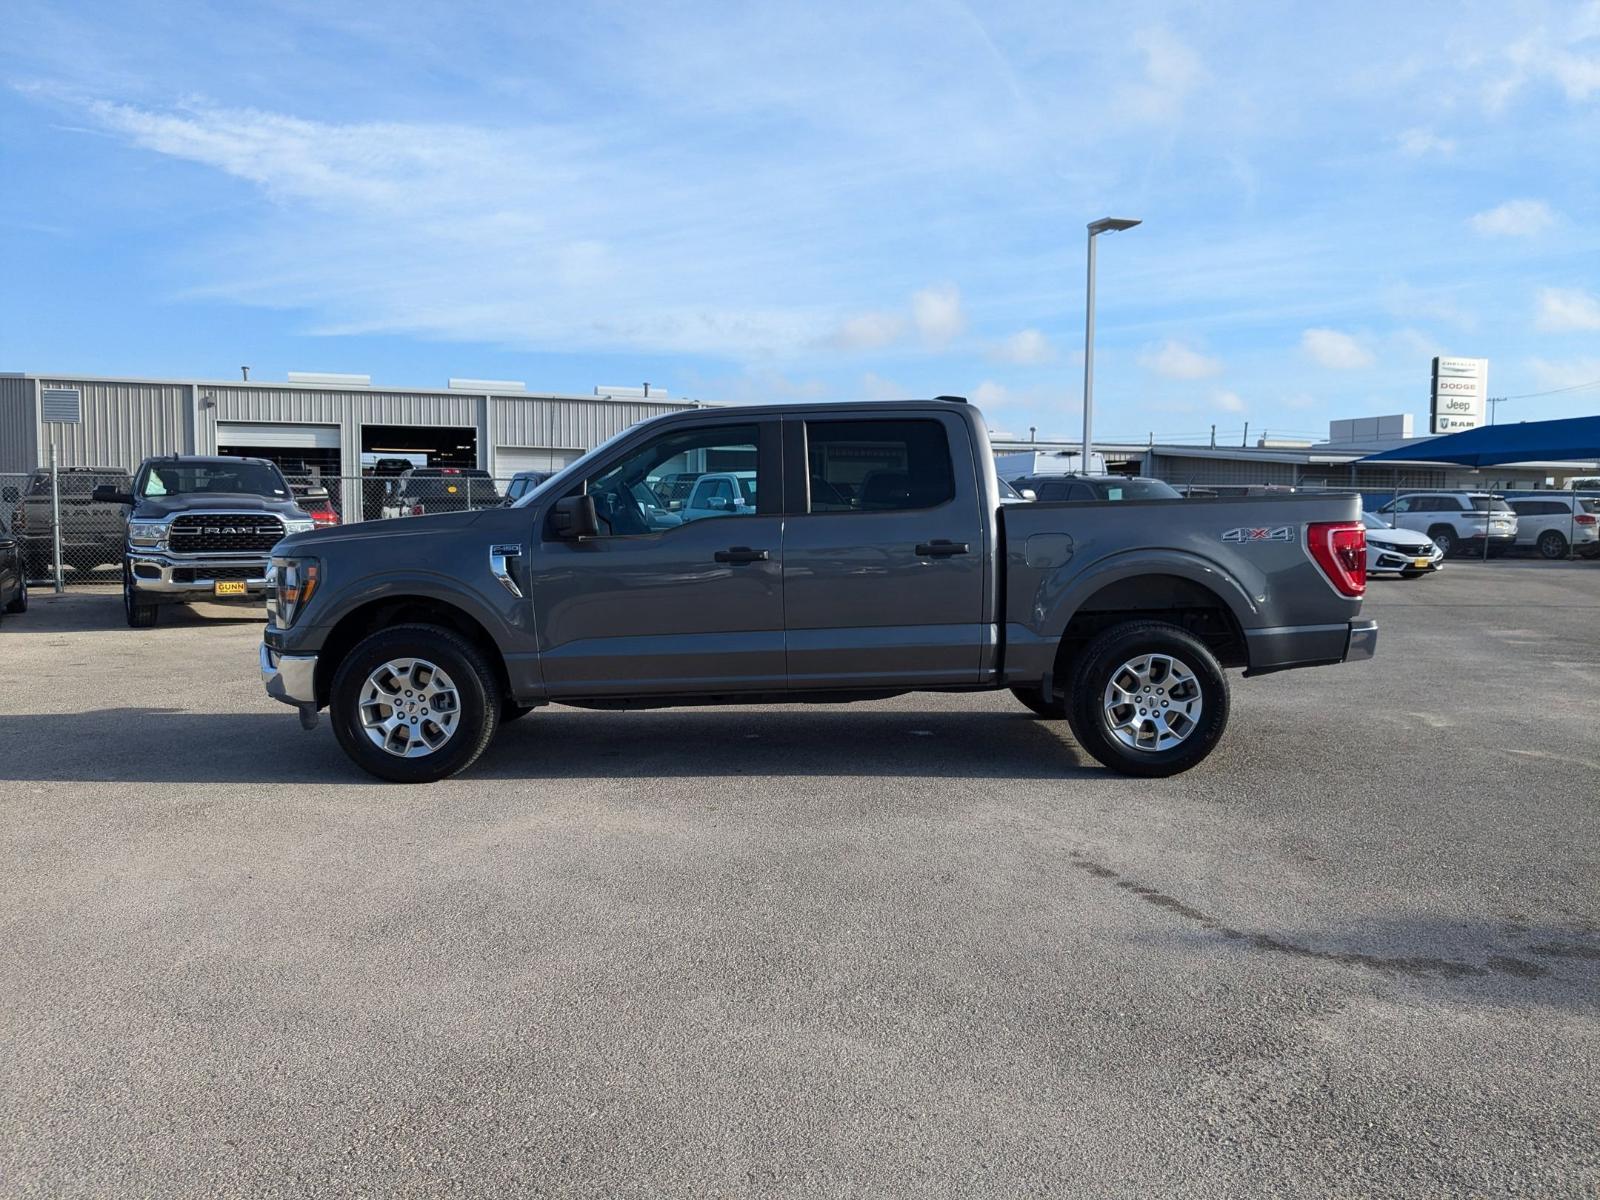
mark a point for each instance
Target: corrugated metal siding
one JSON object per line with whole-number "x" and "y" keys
{"x": 1178, "y": 469}
{"x": 122, "y": 423}
{"x": 19, "y": 443}
{"x": 577, "y": 424}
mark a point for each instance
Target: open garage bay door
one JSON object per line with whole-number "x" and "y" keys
{"x": 508, "y": 460}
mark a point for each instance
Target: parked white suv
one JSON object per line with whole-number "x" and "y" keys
{"x": 1558, "y": 524}
{"x": 1456, "y": 521}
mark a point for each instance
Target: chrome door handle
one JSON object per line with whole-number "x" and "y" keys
{"x": 940, "y": 548}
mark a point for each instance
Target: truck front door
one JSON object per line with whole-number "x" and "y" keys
{"x": 884, "y": 552}
{"x": 658, "y": 603}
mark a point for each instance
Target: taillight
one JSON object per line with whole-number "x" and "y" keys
{"x": 324, "y": 516}
{"x": 1340, "y": 549}
{"x": 1584, "y": 519}
{"x": 416, "y": 510}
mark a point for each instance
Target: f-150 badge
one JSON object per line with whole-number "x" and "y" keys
{"x": 1278, "y": 533}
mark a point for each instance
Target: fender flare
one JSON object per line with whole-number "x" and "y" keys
{"x": 1064, "y": 592}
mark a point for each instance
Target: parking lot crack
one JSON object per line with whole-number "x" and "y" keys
{"x": 1422, "y": 966}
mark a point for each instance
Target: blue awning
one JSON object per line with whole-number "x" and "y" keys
{"x": 1575, "y": 439}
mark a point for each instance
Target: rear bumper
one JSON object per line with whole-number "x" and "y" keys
{"x": 1290, "y": 646}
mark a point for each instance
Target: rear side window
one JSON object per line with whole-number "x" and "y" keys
{"x": 878, "y": 466}
{"x": 1485, "y": 504}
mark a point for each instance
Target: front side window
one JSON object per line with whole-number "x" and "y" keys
{"x": 636, "y": 495}
{"x": 878, "y": 466}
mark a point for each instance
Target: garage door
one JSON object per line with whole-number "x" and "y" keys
{"x": 508, "y": 460}
{"x": 280, "y": 436}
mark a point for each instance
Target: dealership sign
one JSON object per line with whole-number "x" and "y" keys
{"x": 1460, "y": 393}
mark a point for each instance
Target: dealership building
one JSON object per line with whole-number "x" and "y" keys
{"x": 314, "y": 425}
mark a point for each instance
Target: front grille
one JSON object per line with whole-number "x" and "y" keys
{"x": 191, "y": 574}
{"x": 224, "y": 533}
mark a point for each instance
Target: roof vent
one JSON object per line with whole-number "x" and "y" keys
{"x": 648, "y": 391}
{"x": 488, "y": 385}
{"x": 330, "y": 379}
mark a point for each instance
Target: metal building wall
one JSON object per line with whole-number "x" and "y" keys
{"x": 552, "y": 423}
{"x": 1181, "y": 469}
{"x": 123, "y": 423}
{"x": 19, "y": 437}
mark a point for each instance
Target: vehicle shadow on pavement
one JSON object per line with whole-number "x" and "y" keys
{"x": 164, "y": 745}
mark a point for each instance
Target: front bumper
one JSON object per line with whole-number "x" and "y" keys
{"x": 164, "y": 575}
{"x": 291, "y": 678}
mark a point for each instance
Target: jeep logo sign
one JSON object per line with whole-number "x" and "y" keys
{"x": 1460, "y": 393}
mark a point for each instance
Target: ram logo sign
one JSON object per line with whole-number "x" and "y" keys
{"x": 1277, "y": 533}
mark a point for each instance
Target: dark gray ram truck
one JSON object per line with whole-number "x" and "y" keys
{"x": 877, "y": 558}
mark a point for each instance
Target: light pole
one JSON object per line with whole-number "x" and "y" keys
{"x": 1103, "y": 225}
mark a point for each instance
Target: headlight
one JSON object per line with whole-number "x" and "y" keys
{"x": 298, "y": 526}
{"x": 291, "y": 582}
{"x": 149, "y": 534}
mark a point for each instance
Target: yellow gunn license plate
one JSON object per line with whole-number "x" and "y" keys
{"x": 228, "y": 587}
{"x": 1419, "y": 562}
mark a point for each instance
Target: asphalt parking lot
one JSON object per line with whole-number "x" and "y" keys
{"x": 911, "y": 947}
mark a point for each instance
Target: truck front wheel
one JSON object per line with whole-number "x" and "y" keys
{"x": 1148, "y": 699}
{"x": 140, "y": 613}
{"x": 414, "y": 704}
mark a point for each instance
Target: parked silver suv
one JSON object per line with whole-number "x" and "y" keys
{"x": 1558, "y": 524}
{"x": 1456, "y": 521}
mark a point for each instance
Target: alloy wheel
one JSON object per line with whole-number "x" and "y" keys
{"x": 1153, "y": 702}
{"x": 409, "y": 708}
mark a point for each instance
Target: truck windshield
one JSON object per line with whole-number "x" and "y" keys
{"x": 241, "y": 478}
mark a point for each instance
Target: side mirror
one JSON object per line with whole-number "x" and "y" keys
{"x": 573, "y": 518}
{"x": 10, "y": 495}
{"x": 719, "y": 503}
{"x": 1028, "y": 494}
{"x": 108, "y": 494}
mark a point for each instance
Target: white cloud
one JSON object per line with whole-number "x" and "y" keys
{"x": 1567, "y": 310}
{"x": 1028, "y": 347}
{"x": 1514, "y": 218}
{"x": 938, "y": 315}
{"x": 1424, "y": 143}
{"x": 1172, "y": 71}
{"x": 1564, "y": 373}
{"x": 876, "y": 387}
{"x": 869, "y": 331}
{"x": 1334, "y": 350}
{"x": 1174, "y": 360}
{"x": 990, "y": 394}
{"x": 1229, "y": 402}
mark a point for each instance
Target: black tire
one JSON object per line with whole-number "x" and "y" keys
{"x": 1033, "y": 698}
{"x": 476, "y": 687}
{"x": 510, "y": 710}
{"x": 37, "y": 566}
{"x": 140, "y": 614}
{"x": 1552, "y": 544}
{"x": 20, "y": 604}
{"x": 1105, "y": 656}
{"x": 1445, "y": 538}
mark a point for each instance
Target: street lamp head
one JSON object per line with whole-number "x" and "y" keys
{"x": 1110, "y": 225}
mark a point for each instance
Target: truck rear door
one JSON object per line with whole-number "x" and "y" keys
{"x": 883, "y": 551}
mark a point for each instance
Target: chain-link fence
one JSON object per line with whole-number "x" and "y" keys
{"x": 37, "y": 506}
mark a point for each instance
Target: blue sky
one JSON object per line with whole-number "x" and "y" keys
{"x": 815, "y": 200}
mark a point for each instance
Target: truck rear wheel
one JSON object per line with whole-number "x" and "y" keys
{"x": 414, "y": 704}
{"x": 1148, "y": 699}
{"x": 1032, "y": 697}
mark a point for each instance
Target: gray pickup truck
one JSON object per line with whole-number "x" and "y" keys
{"x": 878, "y": 558}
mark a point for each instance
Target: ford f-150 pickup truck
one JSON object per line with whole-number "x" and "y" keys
{"x": 877, "y": 559}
